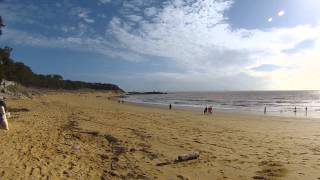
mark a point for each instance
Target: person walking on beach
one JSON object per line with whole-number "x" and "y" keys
{"x": 295, "y": 109}
{"x": 210, "y": 110}
{"x": 3, "y": 103}
{"x": 265, "y": 110}
{"x": 170, "y": 106}
{"x": 3, "y": 118}
{"x": 306, "y": 111}
{"x": 205, "y": 110}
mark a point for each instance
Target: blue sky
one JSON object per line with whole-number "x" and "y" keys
{"x": 169, "y": 45}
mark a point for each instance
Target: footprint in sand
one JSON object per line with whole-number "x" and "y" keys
{"x": 270, "y": 170}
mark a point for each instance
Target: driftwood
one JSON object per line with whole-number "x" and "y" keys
{"x": 93, "y": 133}
{"x": 187, "y": 157}
{"x": 117, "y": 147}
{"x": 181, "y": 158}
{"x": 164, "y": 163}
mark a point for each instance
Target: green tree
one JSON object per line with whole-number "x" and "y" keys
{"x": 1, "y": 62}
{"x": 1, "y": 25}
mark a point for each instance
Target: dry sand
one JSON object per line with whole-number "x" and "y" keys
{"x": 88, "y": 136}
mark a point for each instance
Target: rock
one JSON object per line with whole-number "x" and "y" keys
{"x": 111, "y": 139}
{"x": 104, "y": 156}
{"x": 182, "y": 177}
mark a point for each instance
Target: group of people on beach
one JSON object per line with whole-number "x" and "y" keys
{"x": 294, "y": 110}
{"x": 208, "y": 110}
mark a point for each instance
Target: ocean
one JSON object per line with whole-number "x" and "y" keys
{"x": 282, "y": 103}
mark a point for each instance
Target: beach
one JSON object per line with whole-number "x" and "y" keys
{"x": 90, "y": 136}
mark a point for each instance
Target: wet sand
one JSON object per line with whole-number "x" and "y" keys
{"x": 89, "y": 136}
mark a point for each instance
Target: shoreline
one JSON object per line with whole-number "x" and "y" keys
{"x": 294, "y": 104}
{"x": 298, "y": 116}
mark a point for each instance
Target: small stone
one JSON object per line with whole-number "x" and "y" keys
{"x": 66, "y": 173}
{"x": 104, "y": 156}
{"x": 182, "y": 177}
{"x": 114, "y": 173}
{"x": 258, "y": 177}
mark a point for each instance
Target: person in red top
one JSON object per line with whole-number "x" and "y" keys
{"x": 210, "y": 110}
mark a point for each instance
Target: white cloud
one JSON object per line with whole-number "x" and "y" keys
{"x": 198, "y": 34}
{"x": 151, "y": 11}
{"x": 197, "y": 37}
{"x": 83, "y": 14}
{"x": 281, "y": 13}
{"x": 104, "y": 1}
{"x": 89, "y": 20}
{"x": 130, "y": 6}
{"x": 134, "y": 18}
{"x": 102, "y": 15}
{"x": 270, "y": 19}
{"x": 80, "y": 43}
{"x": 67, "y": 29}
{"x": 175, "y": 37}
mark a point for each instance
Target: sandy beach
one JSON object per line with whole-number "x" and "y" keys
{"x": 89, "y": 136}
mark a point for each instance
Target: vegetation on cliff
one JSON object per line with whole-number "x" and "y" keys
{"x": 19, "y": 72}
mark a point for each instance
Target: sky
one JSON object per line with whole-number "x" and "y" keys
{"x": 169, "y": 45}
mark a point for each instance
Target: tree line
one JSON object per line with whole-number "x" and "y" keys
{"x": 20, "y": 73}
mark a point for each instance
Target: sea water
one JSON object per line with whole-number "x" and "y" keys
{"x": 284, "y": 103}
